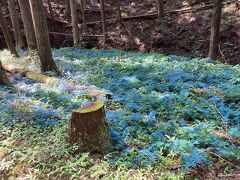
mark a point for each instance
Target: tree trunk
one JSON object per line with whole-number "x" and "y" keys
{"x": 67, "y": 8}
{"x": 41, "y": 31}
{"x": 172, "y": 4}
{"x": 237, "y": 6}
{"x": 74, "y": 17}
{"x": 119, "y": 12}
{"x": 102, "y": 6}
{"x": 4, "y": 4}
{"x": 50, "y": 9}
{"x": 160, "y": 8}
{"x": 28, "y": 24}
{"x": 3, "y": 77}
{"x": 215, "y": 29}
{"x": 82, "y": 6}
{"x": 6, "y": 33}
{"x": 88, "y": 128}
{"x": 15, "y": 24}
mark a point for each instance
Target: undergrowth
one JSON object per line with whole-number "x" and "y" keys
{"x": 161, "y": 116}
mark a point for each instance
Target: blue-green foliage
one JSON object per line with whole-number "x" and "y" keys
{"x": 38, "y": 103}
{"x": 169, "y": 104}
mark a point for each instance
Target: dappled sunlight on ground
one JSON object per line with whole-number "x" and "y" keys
{"x": 161, "y": 115}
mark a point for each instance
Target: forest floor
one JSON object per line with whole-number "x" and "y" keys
{"x": 185, "y": 34}
{"x": 170, "y": 117}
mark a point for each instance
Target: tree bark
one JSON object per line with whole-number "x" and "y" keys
{"x": 3, "y": 78}
{"x": 160, "y": 8}
{"x": 74, "y": 17}
{"x": 15, "y": 24}
{"x": 88, "y": 128}
{"x": 67, "y": 8}
{"x": 215, "y": 29}
{"x": 119, "y": 12}
{"x": 6, "y": 33}
{"x": 50, "y": 9}
{"x": 102, "y": 6}
{"x": 28, "y": 24}
{"x": 172, "y": 4}
{"x": 4, "y": 4}
{"x": 41, "y": 31}
{"x": 82, "y": 8}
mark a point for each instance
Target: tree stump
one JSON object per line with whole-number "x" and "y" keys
{"x": 88, "y": 129}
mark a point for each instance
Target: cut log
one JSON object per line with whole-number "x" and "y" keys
{"x": 13, "y": 69}
{"x": 42, "y": 78}
{"x": 88, "y": 129}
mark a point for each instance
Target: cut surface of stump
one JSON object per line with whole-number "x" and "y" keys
{"x": 88, "y": 128}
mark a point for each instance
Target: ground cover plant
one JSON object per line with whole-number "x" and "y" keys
{"x": 163, "y": 115}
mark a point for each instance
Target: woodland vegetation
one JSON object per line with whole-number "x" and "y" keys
{"x": 119, "y": 89}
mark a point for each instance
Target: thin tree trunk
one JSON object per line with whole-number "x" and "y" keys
{"x": 5, "y": 5}
{"x": 160, "y": 8}
{"x": 119, "y": 12}
{"x": 67, "y": 8}
{"x": 82, "y": 6}
{"x": 28, "y": 23}
{"x": 50, "y": 9}
{"x": 172, "y": 4}
{"x": 126, "y": 2}
{"x": 15, "y": 24}
{"x": 7, "y": 35}
{"x": 3, "y": 78}
{"x": 74, "y": 17}
{"x": 41, "y": 31}
{"x": 215, "y": 29}
{"x": 102, "y": 6}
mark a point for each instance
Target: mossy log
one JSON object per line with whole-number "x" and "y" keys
{"x": 88, "y": 129}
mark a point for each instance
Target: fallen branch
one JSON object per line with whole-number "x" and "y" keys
{"x": 59, "y": 33}
{"x": 13, "y": 69}
{"x": 225, "y": 159}
{"x": 226, "y": 137}
{"x": 58, "y": 20}
{"x": 90, "y": 10}
{"x": 82, "y": 35}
